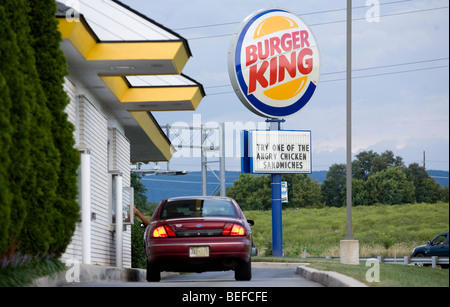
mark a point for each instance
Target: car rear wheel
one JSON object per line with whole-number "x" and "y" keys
{"x": 153, "y": 274}
{"x": 243, "y": 271}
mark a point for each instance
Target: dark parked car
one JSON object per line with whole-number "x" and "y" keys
{"x": 198, "y": 234}
{"x": 438, "y": 246}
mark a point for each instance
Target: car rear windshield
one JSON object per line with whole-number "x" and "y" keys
{"x": 198, "y": 208}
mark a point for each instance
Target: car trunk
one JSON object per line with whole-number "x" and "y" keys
{"x": 199, "y": 227}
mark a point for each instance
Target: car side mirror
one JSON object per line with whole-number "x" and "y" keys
{"x": 251, "y": 222}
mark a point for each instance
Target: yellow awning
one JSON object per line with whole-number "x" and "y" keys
{"x": 154, "y": 98}
{"x": 103, "y": 52}
{"x": 85, "y": 41}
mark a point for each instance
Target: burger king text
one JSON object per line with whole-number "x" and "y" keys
{"x": 290, "y": 53}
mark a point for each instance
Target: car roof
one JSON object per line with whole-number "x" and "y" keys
{"x": 197, "y": 197}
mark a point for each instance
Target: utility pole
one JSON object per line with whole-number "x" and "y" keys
{"x": 223, "y": 189}
{"x": 349, "y": 247}
{"x": 204, "y": 161}
{"x": 424, "y": 160}
{"x": 205, "y": 133}
{"x": 349, "y": 120}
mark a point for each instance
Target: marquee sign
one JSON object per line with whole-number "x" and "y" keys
{"x": 276, "y": 152}
{"x": 274, "y": 63}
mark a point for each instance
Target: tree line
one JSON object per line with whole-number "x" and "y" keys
{"x": 376, "y": 179}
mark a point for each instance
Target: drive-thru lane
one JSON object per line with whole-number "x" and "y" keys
{"x": 262, "y": 277}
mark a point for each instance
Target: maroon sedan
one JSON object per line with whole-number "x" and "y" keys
{"x": 198, "y": 234}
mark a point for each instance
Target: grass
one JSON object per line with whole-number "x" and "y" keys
{"x": 391, "y": 275}
{"x": 22, "y": 271}
{"x": 381, "y": 230}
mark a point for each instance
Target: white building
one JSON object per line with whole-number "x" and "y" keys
{"x": 122, "y": 67}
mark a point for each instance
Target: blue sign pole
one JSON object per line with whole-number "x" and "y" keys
{"x": 277, "y": 218}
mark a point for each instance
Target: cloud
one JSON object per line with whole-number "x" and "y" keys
{"x": 411, "y": 150}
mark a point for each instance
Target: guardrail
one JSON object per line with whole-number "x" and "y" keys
{"x": 407, "y": 260}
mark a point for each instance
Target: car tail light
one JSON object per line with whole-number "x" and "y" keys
{"x": 163, "y": 232}
{"x": 231, "y": 229}
{"x": 227, "y": 229}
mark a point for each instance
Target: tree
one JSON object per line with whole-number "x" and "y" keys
{"x": 41, "y": 202}
{"x": 6, "y": 42}
{"x": 14, "y": 75}
{"x": 5, "y": 143}
{"x": 138, "y": 259}
{"x": 359, "y": 192}
{"x": 252, "y": 192}
{"x": 52, "y": 68}
{"x": 140, "y": 199}
{"x": 428, "y": 191}
{"x": 390, "y": 187}
{"x": 444, "y": 194}
{"x": 362, "y": 166}
{"x": 39, "y": 188}
{"x": 426, "y": 188}
{"x": 304, "y": 192}
{"x": 332, "y": 187}
{"x": 369, "y": 162}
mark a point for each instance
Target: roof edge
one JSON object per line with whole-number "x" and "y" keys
{"x": 185, "y": 42}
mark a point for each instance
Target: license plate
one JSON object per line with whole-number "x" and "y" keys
{"x": 198, "y": 251}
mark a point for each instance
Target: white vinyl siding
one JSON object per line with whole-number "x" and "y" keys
{"x": 94, "y": 135}
{"x": 74, "y": 250}
{"x": 71, "y": 108}
{"x": 120, "y": 155}
{"x": 109, "y": 150}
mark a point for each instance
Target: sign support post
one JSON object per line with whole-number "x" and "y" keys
{"x": 277, "y": 209}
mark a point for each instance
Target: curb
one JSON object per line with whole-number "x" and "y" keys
{"x": 274, "y": 265}
{"x": 328, "y": 279}
{"x": 94, "y": 273}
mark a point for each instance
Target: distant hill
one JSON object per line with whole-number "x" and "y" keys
{"x": 439, "y": 176}
{"x": 162, "y": 186}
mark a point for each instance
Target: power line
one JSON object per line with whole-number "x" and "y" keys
{"x": 334, "y": 22}
{"x": 361, "y": 77}
{"x": 302, "y": 14}
{"x": 361, "y": 69}
{"x": 181, "y": 181}
{"x": 388, "y": 66}
{"x": 390, "y": 73}
{"x": 388, "y": 15}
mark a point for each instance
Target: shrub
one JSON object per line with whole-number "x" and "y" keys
{"x": 51, "y": 66}
{"x": 38, "y": 204}
{"x": 15, "y": 156}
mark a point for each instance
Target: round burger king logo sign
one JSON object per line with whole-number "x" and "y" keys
{"x": 274, "y": 63}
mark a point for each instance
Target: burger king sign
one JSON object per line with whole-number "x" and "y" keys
{"x": 274, "y": 63}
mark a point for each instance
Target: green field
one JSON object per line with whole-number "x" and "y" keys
{"x": 382, "y": 230}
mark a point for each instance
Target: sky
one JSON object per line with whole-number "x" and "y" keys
{"x": 400, "y": 80}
